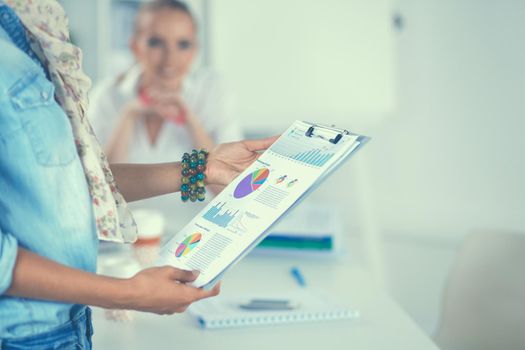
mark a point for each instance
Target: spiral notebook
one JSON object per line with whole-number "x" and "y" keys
{"x": 222, "y": 312}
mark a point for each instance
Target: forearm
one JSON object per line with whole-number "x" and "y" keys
{"x": 140, "y": 181}
{"x": 161, "y": 290}
{"x": 224, "y": 163}
{"x": 117, "y": 148}
{"x": 201, "y": 138}
{"x": 37, "y": 277}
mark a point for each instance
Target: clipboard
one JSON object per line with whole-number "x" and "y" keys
{"x": 329, "y": 134}
{"x": 314, "y": 165}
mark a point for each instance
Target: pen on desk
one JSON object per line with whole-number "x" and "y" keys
{"x": 298, "y": 276}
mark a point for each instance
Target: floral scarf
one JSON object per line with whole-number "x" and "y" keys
{"x": 47, "y": 28}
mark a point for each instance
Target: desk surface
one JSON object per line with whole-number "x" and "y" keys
{"x": 383, "y": 325}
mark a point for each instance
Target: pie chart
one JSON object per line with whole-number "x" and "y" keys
{"x": 251, "y": 183}
{"x": 188, "y": 244}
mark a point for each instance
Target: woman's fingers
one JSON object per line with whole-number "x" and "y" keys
{"x": 167, "y": 97}
{"x": 181, "y": 275}
{"x": 190, "y": 276}
{"x": 261, "y": 144}
{"x": 165, "y": 290}
{"x": 200, "y": 293}
{"x": 191, "y": 295}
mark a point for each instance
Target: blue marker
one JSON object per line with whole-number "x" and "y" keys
{"x": 296, "y": 273}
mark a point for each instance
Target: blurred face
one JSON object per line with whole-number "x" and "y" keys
{"x": 165, "y": 46}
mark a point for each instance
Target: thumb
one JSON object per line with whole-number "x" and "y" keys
{"x": 182, "y": 275}
{"x": 261, "y": 144}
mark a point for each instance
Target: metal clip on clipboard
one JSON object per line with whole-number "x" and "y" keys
{"x": 318, "y": 127}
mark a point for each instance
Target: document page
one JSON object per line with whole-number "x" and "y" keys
{"x": 237, "y": 219}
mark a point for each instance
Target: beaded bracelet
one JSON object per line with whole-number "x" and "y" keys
{"x": 193, "y": 167}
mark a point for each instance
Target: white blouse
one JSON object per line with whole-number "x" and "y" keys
{"x": 204, "y": 94}
{"x": 202, "y": 91}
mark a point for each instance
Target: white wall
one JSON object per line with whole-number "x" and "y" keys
{"x": 313, "y": 60}
{"x": 451, "y": 159}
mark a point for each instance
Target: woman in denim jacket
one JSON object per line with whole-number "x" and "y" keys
{"x": 58, "y": 195}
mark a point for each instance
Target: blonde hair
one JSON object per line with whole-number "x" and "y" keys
{"x": 158, "y": 5}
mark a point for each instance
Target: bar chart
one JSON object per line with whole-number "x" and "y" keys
{"x": 315, "y": 157}
{"x": 293, "y": 147}
{"x": 219, "y": 215}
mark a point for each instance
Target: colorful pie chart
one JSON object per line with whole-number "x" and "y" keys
{"x": 188, "y": 244}
{"x": 251, "y": 183}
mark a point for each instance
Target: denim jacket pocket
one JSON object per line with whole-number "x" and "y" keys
{"x": 45, "y": 123}
{"x": 31, "y": 91}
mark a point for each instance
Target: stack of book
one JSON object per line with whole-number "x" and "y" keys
{"x": 309, "y": 229}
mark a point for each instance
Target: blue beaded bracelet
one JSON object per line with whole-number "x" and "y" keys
{"x": 193, "y": 167}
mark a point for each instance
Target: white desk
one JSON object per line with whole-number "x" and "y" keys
{"x": 383, "y": 325}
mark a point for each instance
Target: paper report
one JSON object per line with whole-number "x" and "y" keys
{"x": 237, "y": 219}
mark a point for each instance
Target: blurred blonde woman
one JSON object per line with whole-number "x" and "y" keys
{"x": 59, "y": 195}
{"x": 160, "y": 107}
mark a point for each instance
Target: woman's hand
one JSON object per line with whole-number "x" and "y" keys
{"x": 156, "y": 102}
{"x": 163, "y": 290}
{"x": 225, "y": 162}
{"x": 135, "y": 109}
{"x": 228, "y": 160}
{"x": 169, "y": 105}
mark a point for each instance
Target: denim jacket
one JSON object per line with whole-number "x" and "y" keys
{"x": 45, "y": 205}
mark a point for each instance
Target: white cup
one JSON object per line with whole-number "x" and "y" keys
{"x": 150, "y": 224}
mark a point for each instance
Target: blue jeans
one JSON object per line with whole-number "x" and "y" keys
{"x": 75, "y": 334}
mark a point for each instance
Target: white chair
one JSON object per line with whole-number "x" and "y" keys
{"x": 484, "y": 302}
